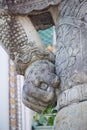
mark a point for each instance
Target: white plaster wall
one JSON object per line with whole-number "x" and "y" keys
{"x": 4, "y": 99}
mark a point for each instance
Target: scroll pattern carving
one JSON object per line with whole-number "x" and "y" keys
{"x": 71, "y": 63}
{"x": 15, "y": 41}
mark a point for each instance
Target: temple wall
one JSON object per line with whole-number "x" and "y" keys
{"x": 4, "y": 97}
{"x": 23, "y": 115}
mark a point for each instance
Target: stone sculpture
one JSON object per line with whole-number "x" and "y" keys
{"x": 21, "y": 41}
{"x": 70, "y": 64}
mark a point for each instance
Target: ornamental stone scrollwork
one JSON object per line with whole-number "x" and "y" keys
{"x": 41, "y": 69}
{"x": 70, "y": 57}
{"x": 71, "y": 65}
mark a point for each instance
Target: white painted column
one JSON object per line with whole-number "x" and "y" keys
{"x": 4, "y": 91}
{"x": 27, "y": 114}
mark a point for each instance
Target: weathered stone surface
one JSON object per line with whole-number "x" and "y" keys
{"x": 22, "y": 43}
{"x": 27, "y": 6}
{"x": 17, "y": 37}
{"x": 73, "y": 117}
{"x": 71, "y": 65}
{"x": 40, "y": 85}
{"x": 71, "y": 28}
{"x": 71, "y": 57}
{"x": 41, "y": 13}
{"x": 73, "y": 95}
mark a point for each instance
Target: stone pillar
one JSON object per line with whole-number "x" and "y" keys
{"x": 71, "y": 65}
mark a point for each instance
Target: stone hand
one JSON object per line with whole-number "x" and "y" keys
{"x": 40, "y": 84}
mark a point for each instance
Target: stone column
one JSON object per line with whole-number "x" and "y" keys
{"x": 71, "y": 65}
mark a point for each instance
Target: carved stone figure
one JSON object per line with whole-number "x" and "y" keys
{"x": 21, "y": 41}
{"x": 41, "y": 68}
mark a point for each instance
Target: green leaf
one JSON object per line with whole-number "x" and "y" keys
{"x": 51, "y": 120}
{"x": 48, "y": 110}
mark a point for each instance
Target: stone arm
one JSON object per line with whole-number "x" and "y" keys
{"x": 19, "y": 38}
